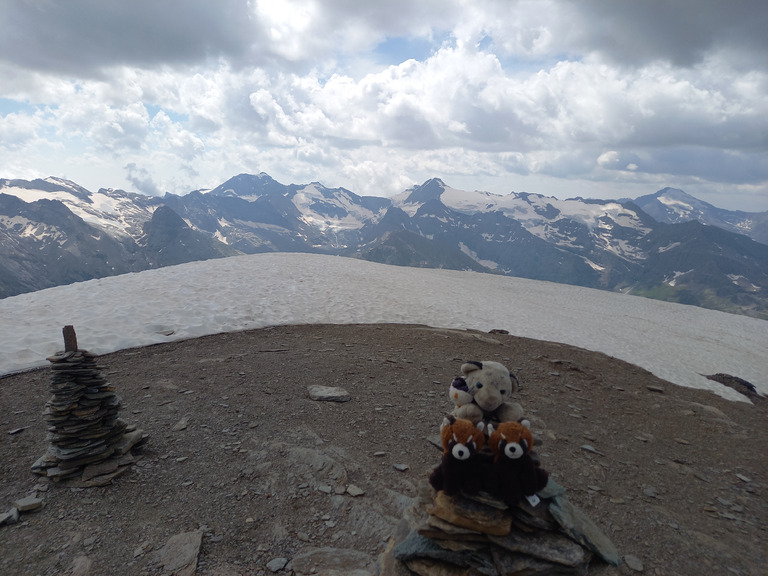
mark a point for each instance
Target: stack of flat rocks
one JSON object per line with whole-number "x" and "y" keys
{"x": 85, "y": 431}
{"x": 452, "y": 535}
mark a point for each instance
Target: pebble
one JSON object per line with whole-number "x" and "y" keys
{"x": 181, "y": 424}
{"x": 633, "y": 563}
{"x": 592, "y": 449}
{"x": 650, "y": 491}
{"x": 401, "y": 467}
{"x": 277, "y": 564}
{"x": 353, "y": 490}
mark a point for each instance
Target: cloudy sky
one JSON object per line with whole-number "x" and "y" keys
{"x": 593, "y": 98}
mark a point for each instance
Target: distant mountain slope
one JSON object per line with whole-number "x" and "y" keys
{"x": 673, "y": 206}
{"x": 53, "y": 232}
{"x": 705, "y": 266}
{"x": 44, "y": 244}
{"x": 168, "y": 240}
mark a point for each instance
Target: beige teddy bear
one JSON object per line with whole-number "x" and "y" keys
{"x": 490, "y": 385}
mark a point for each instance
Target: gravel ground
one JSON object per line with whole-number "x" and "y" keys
{"x": 676, "y": 477}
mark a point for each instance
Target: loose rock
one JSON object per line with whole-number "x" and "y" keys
{"x": 328, "y": 393}
{"x": 353, "y": 490}
{"x": 179, "y": 555}
{"x": 633, "y": 562}
{"x": 277, "y": 564}
{"x": 28, "y": 504}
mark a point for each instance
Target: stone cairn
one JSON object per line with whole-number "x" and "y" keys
{"x": 88, "y": 440}
{"x": 446, "y": 535}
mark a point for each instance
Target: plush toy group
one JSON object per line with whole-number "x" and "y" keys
{"x": 486, "y": 441}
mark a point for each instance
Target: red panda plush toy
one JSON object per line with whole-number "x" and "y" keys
{"x": 514, "y": 474}
{"x": 458, "y": 470}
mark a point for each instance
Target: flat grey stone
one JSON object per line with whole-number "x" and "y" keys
{"x": 277, "y": 564}
{"x": 179, "y": 555}
{"x": 328, "y": 393}
{"x": 181, "y": 424}
{"x": 353, "y": 490}
{"x": 10, "y": 517}
{"x": 551, "y": 490}
{"x": 633, "y": 563}
{"x": 128, "y": 441}
{"x": 551, "y": 547}
{"x": 106, "y": 467}
{"x": 576, "y": 524}
{"x": 418, "y": 547}
{"x": 28, "y": 504}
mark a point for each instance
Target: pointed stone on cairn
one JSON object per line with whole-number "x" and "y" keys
{"x": 88, "y": 439}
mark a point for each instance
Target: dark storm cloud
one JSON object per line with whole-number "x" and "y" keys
{"x": 679, "y": 31}
{"x": 82, "y": 36}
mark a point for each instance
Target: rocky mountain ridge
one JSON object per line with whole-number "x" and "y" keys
{"x": 667, "y": 245}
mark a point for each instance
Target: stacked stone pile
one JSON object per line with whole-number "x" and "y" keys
{"x": 88, "y": 439}
{"x": 481, "y": 535}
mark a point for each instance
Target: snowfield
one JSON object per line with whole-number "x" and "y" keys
{"x": 675, "y": 342}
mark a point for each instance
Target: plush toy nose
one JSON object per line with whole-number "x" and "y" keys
{"x": 460, "y": 452}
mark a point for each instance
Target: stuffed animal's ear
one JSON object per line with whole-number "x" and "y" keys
{"x": 515, "y": 382}
{"x": 526, "y": 440}
{"x": 460, "y": 384}
{"x": 490, "y": 429}
{"x": 481, "y": 426}
{"x": 447, "y": 421}
{"x": 471, "y": 366}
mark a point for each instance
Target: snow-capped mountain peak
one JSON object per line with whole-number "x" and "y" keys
{"x": 53, "y": 231}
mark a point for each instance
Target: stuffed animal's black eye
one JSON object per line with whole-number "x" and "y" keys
{"x": 503, "y": 391}
{"x": 479, "y": 385}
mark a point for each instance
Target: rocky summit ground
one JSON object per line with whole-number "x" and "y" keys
{"x": 273, "y": 480}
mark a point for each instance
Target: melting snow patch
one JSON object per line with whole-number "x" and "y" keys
{"x": 743, "y": 283}
{"x": 675, "y": 275}
{"x": 490, "y": 264}
{"x": 668, "y": 247}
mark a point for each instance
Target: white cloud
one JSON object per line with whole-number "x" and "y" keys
{"x": 535, "y": 92}
{"x": 19, "y": 131}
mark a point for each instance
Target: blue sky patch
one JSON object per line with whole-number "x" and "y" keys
{"x": 10, "y": 106}
{"x": 396, "y": 50}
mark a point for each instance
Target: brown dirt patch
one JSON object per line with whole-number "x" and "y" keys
{"x": 678, "y": 477}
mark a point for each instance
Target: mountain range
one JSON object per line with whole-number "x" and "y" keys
{"x": 668, "y": 245}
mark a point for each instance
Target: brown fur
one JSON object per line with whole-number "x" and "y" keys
{"x": 510, "y": 432}
{"x": 463, "y": 429}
